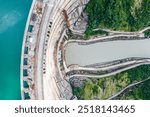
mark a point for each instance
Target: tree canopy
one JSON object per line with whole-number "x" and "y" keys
{"x": 126, "y": 15}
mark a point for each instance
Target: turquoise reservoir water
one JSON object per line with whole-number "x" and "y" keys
{"x": 13, "y": 16}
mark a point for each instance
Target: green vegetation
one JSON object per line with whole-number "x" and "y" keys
{"x": 88, "y": 91}
{"x": 140, "y": 92}
{"x": 126, "y": 15}
{"x": 147, "y": 33}
{"x": 103, "y": 88}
